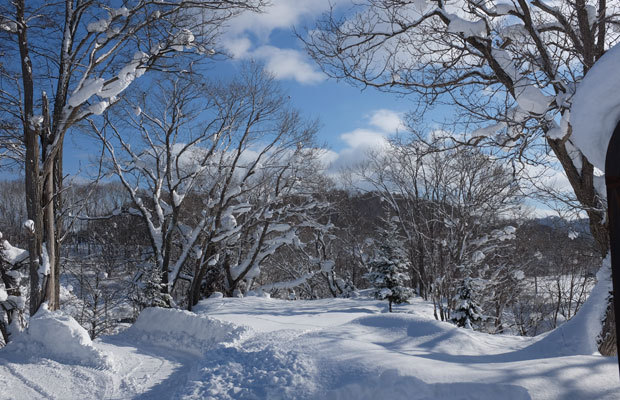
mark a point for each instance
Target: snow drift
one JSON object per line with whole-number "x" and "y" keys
{"x": 320, "y": 349}
{"x": 58, "y": 336}
{"x": 184, "y": 330}
{"x": 402, "y": 332}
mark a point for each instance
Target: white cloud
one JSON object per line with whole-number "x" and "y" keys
{"x": 280, "y": 14}
{"x": 327, "y": 157}
{"x": 382, "y": 123}
{"x": 248, "y": 37}
{"x": 282, "y": 63}
{"x": 364, "y": 139}
{"x": 238, "y": 47}
{"x": 288, "y": 64}
{"x": 387, "y": 120}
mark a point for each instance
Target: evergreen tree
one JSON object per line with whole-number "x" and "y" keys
{"x": 387, "y": 269}
{"x": 467, "y": 313}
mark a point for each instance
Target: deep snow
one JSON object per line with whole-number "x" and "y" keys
{"x": 259, "y": 348}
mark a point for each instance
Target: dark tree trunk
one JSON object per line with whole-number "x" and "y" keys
{"x": 49, "y": 214}
{"x": 609, "y": 341}
{"x": 31, "y": 166}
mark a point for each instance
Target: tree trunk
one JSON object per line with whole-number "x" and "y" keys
{"x": 607, "y": 341}
{"x": 582, "y": 183}
{"x": 49, "y": 214}
{"x": 34, "y": 206}
{"x": 58, "y": 178}
{"x": 50, "y": 240}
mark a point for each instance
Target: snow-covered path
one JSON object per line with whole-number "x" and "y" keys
{"x": 138, "y": 370}
{"x": 258, "y": 348}
{"x": 367, "y": 354}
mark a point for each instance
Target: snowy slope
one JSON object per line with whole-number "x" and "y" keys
{"x": 258, "y": 348}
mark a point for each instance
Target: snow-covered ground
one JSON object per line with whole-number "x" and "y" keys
{"x": 261, "y": 348}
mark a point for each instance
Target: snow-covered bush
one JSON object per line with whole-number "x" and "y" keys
{"x": 12, "y": 287}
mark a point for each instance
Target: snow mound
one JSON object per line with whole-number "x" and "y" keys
{"x": 402, "y": 331}
{"x": 234, "y": 374}
{"x": 391, "y": 385}
{"x": 180, "y": 329}
{"x": 57, "y": 336}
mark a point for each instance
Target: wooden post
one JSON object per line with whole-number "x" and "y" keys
{"x": 612, "y": 180}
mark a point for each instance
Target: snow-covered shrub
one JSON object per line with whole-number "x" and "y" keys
{"x": 12, "y": 285}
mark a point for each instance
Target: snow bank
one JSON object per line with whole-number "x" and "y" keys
{"x": 57, "y": 336}
{"x": 595, "y": 109}
{"x": 184, "y": 330}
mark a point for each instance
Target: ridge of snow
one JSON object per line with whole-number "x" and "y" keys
{"x": 503, "y": 8}
{"x": 99, "y": 108}
{"x": 54, "y": 334}
{"x": 85, "y": 91}
{"x": 487, "y": 131}
{"x": 185, "y": 330}
{"x": 558, "y": 132}
{"x": 529, "y": 97}
{"x": 12, "y": 255}
{"x": 44, "y": 267}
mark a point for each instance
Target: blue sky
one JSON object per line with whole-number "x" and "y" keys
{"x": 351, "y": 120}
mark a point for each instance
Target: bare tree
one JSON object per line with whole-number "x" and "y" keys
{"x": 87, "y": 53}
{"x": 285, "y": 212}
{"x": 213, "y": 168}
{"x": 448, "y": 205}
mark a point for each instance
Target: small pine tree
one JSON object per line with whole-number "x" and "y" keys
{"x": 147, "y": 290}
{"x": 387, "y": 270}
{"x": 467, "y": 313}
